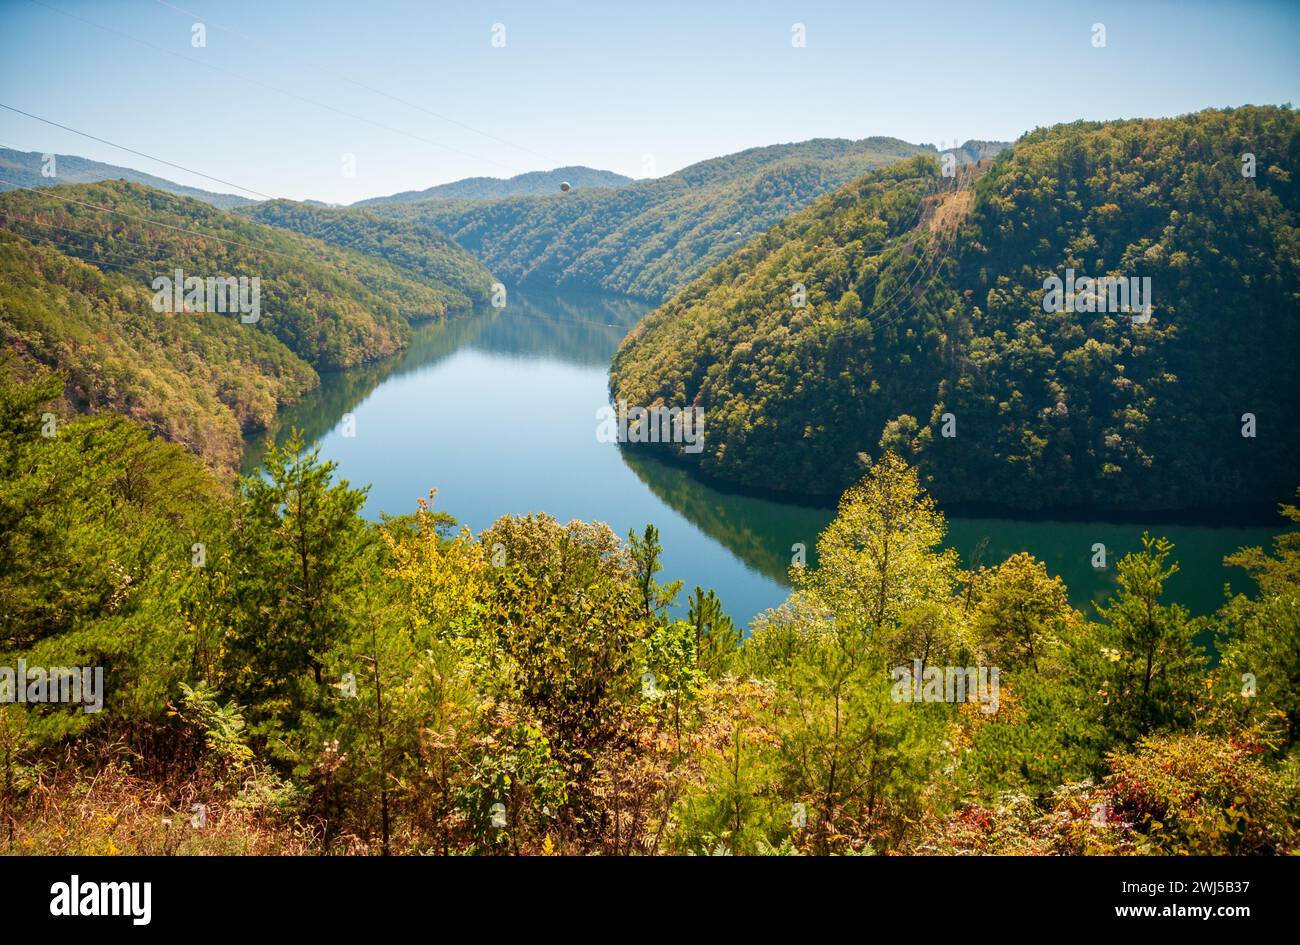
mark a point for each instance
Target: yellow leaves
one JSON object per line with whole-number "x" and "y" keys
{"x": 443, "y": 583}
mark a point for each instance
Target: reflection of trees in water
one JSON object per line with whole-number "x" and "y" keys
{"x": 342, "y": 391}
{"x": 759, "y": 532}
{"x": 576, "y": 328}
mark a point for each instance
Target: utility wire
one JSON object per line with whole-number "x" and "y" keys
{"x": 342, "y": 78}
{"x": 266, "y": 85}
{"x": 122, "y": 147}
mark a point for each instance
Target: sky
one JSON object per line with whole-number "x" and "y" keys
{"x": 339, "y": 101}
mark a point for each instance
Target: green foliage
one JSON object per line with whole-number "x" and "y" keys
{"x": 735, "y": 805}
{"x": 452, "y": 277}
{"x": 879, "y": 558}
{"x": 924, "y": 298}
{"x": 200, "y": 379}
{"x": 649, "y": 237}
{"x": 1150, "y": 667}
{"x": 1037, "y": 740}
{"x": 717, "y": 639}
{"x": 1260, "y": 669}
{"x": 645, "y": 553}
{"x": 1279, "y": 572}
{"x": 323, "y": 684}
{"x": 295, "y": 574}
{"x": 1021, "y": 612}
{"x": 77, "y": 297}
{"x": 311, "y": 299}
{"x": 95, "y": 552}
{"x": 221, "y": 726}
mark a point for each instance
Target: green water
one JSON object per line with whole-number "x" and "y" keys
{"x": 498, "y": 412}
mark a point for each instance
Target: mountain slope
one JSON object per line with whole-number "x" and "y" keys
{"x": 23, "y": 169}
{"x": 925, "y": 300}
{"x": 77, "y": 298}
{"x": 200, "y": 379}
{"x": 494, "y": 188}
{"x": 419, "y": 249}
{"x": 649, "y": 238}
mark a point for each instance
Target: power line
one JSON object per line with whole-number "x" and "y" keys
{"x": 181, "y": 167}
{"x": 342, "y": 78}
{"x": 46, "y": 192}
{"x": 266, "y": 85}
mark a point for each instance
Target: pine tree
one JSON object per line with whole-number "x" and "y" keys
{"x": 299, "y": 553}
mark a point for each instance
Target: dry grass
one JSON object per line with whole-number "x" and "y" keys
{"x": 950, "y": 211}
{"x": 111, "y": 812}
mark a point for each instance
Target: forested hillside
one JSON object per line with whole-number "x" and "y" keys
{"x": 650, "y": 237}
{"x": 77, "y": 297}
{"x": 24, "y": 169}
{"x": 924, "y": 316}
{"x": 494, "y": 188}
{"x": 418, "y": 248}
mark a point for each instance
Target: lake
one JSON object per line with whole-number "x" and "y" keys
{"x": 497, "y": 411}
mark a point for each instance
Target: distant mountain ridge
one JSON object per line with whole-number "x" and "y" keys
{"x": 23, "y": 169}
{"x": 649, "y": 238}
{"x": 521, "y": 185}
{"x": 646, "y": 238}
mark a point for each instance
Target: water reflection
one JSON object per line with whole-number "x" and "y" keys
{"x": 761, "y": 532}
{"x": 340, "y": 392}
{"x": 497, "y": 411}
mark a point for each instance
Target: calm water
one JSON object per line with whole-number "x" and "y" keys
{"x": 498, "y": 412}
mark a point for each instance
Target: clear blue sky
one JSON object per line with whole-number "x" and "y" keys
{"x": 600, "y": 84}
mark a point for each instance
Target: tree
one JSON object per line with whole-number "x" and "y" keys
{"x": 300, "y": 554}
{"x": 736, "y": 800}
{"x": 716, "y": 638}
{"x": 858, "y": 760}
{"x": 1279, "y": 572}
{"x": 1150, "y": 667}
{"x": 645, "y": 553}
{"x": 1259, "y": 669}
{"x": 1021, "y": 612}
{"x": 879, "y": 557}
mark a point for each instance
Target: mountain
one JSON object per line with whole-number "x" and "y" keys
{"x": 23, "y": 169}
{"x": 925, "y": 330}
{"x": 417, "y": 248}
{"x": 494, "y": 188}
{"x": 78, "y": 298}
{"x": 650, "y": 237}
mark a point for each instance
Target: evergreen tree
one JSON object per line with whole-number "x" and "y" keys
{"x": 298, "y": 564}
